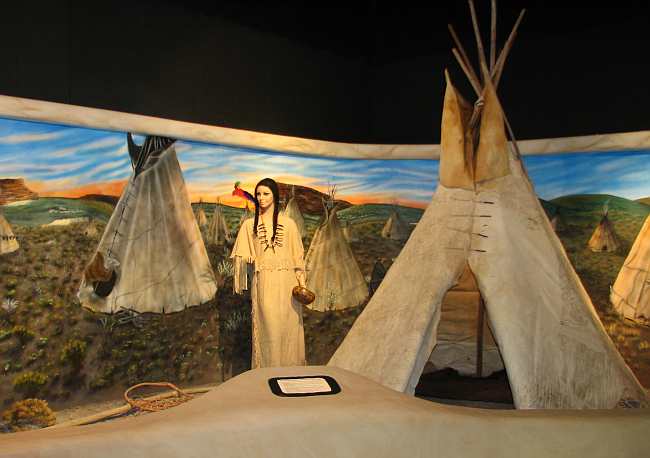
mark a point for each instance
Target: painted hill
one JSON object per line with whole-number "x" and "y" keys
{"x": 644, "y": 200}
{"x": 14, "y": 189}
{"x": 594, "y": 203}
{"x": 309, "y": 200}
{"x": 48, "y": 209}
{"x": 101, "y": 198}
{"x": 379, "y": 212}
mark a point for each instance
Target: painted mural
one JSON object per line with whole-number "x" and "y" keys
{"x": 73, "y": 200}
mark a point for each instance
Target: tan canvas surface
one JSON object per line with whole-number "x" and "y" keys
{"x": 242, "y": 418}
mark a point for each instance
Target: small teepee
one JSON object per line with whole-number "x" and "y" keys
{"x": 332, "y": 271}
{"x": 91, "y": 228}
{"x": 246, "y": 214}
{"x": 349, "y": 233}
{"x": 218, "y": 232}
{"x": 201, "y": 218}
{"x": 485, "y": 216}
{"x": 151, "y": 257}
{"x": 8, "y": 242}
{"x": 558, "y": 223}
{"x": 377, "y": 275}
{"x": 292, "y": 210}
{"x": 395, "y": 228}
{"x": 630, "y": 294}
{"x": 604, "y": 238}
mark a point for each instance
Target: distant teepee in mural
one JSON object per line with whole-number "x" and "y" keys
{"x": 604, "y": 238}
{"x": 151, "y": 257}
{"x": 349, "y": 232}
{"x": 395, "y": 227}
{"x": 292, "y": 210}
{"x": 247, "y": 213}
{"x": 218, "y": 232}
{"x": 332, "y": 271}
{"x": 8, "y": 242}
{"x": 201, "y": 217}
{"x": 558, "y": 223}
{"x": 630, "y": 294}
{"x": 91, "y": 229}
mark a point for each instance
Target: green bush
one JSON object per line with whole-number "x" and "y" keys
{"x": 46, "y": 302}
{"x": 29, "y": 414}
{"x": 42, "y": 342}
{"x": 22, "y": 334}
{"x": 73, "y": 353}
{"x": 30, "y": 383}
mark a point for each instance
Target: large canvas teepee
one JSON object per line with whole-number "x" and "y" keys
{"x": 485, "y": 215}
{"x": 630, "y": 294}
{"x": 292, "y": 210}
{"x": 151, "y": 257}
{"x": 8, "y": 242}
{"x": 603, "y": 238}
{"x": 218, "y": 232}
{"x": 332, "y": 271}
{"x": 395, "y": 227}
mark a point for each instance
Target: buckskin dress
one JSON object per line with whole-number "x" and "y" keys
{"x": 278, "y": 334}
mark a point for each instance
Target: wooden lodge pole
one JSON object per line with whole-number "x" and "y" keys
{"x": 479, "y": 337}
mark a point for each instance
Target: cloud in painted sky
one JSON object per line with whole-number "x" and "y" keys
{"x": 60, "y": 159}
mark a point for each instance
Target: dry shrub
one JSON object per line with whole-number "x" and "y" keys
{"x": 28, "y": 414}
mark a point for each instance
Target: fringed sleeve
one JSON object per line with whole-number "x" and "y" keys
{"x": 295, "y": 246}
{"x": 243, "y": 253}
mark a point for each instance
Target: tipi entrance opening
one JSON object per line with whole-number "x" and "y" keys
{"x": 465, "y": 365}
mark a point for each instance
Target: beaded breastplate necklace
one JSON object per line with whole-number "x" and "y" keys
{"x": 264, "y": 236}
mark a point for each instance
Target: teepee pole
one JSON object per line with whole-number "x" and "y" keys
{"x": 479, "y": 337}
{"x": 468, "y": 72}
{"x": 477, "y": 33}
{"x": 460, "y": 47}
{"x": 493, "y": 36}
{"x": 501, "y": 61}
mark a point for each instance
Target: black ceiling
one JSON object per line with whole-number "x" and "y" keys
{"x": 388, "y": 31}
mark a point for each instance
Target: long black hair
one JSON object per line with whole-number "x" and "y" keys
{"x": 273, "y": 186}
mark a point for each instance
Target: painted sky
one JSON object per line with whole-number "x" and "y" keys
{"x": 65, "y": 161}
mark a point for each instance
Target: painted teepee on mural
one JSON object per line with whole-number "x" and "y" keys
{"x": 292, "y": 210}
{"x": 604, "y": 239}
{"x": 630, "y": 294}
{"x": 151, "y": 257}
{"x": 8, "y": 241}
{"x": 395, "y": 227}
{"x": 218, "y": 231}
{"x": 332, "y": 271}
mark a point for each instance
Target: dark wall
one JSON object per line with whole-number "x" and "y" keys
{"x": 366, "y": 73}
{"x": 573, "y": 70}
{"x": 165, "y": 60}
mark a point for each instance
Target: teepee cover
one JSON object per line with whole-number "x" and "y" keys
{"x": 555, "y": 349}
{"x": 152, "y": 243}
